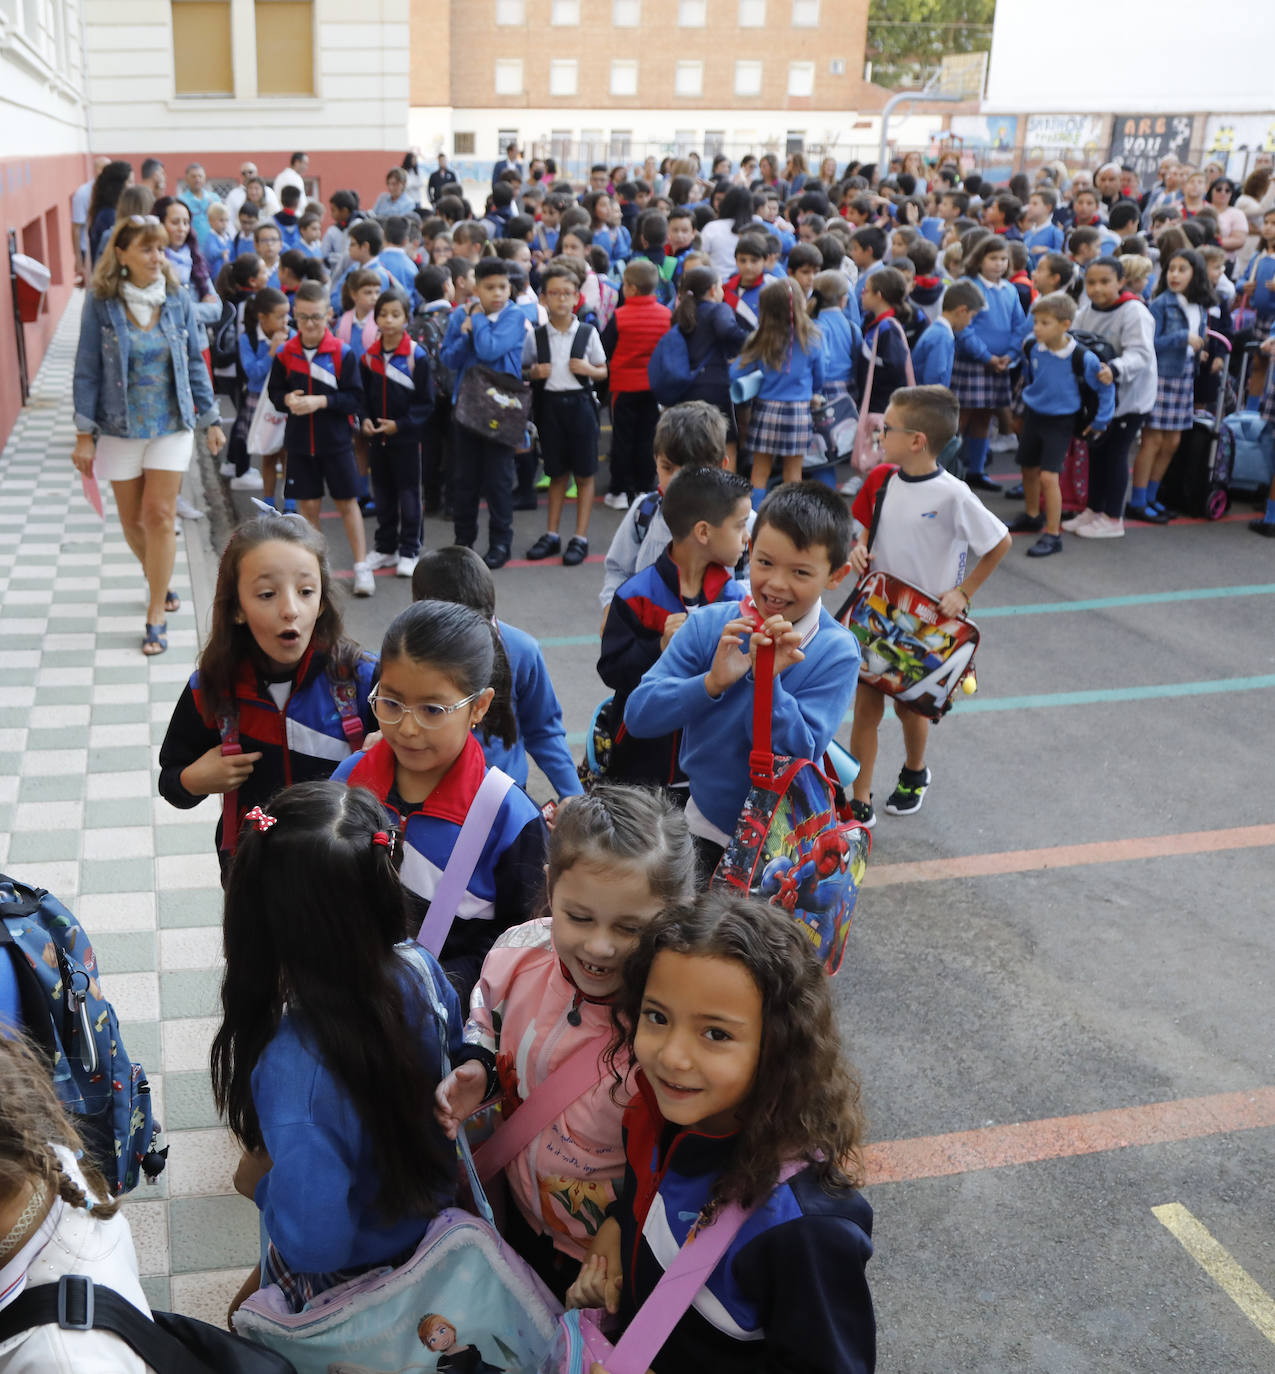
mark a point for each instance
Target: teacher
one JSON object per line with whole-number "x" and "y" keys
{"x": 141, "y": 390}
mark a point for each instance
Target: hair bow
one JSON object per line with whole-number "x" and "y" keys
{"x": 260, "y": 819}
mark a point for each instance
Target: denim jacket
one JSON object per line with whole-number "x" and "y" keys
{"x": 1172, "y": 357}
{"x": 101, "y": 366}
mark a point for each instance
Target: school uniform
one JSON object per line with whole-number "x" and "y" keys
{"x": 629, "y": 340}
{"x": 885, "y": 334}
{"x": 286, "y": 222}
{"x": 254, "y": 369}
{"x": 933, "y": 228}
{"x": 401, "y": 268}
{"x": 743, "y": 299}
{"x": 564, "y": 404}
{"x": 926, "y": 297}
{"x": 1051, "y": 401}
{"x": 863, "y": 281}
{"x": 1175, "y": 321}
{"x": 934, "y": 354}
{"x": 1043, "y": 238}
{"x": 1260, "y": 276}
{"x": 996, "y": 331}
{"x": 397, "y": 386}
{"x": 375, "y": 265}
{"x": 216, "y": 249}
{"x": 780, "y": 419}
{"x": 841, "y": 344}
{"x": 320, "y": 446}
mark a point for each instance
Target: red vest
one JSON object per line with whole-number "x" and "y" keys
{"x": 641, "y": 322}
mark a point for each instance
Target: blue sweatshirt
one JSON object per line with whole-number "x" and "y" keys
{"x": 811, "y": 700}
{"x": 1261, "y": 272}
{"x": 800, "y": 377}
{"x": 841, "y": 342}
{"x": 1053, "y": 388}
{"x": 934, "y": 354}
{"x": 999, "y": 329}
{"x": 1045, "y": 238}
{"x": 497, "y": 343}
{"x": 539, "y": 716}
{"x": 401, "y": 268}
{"x": 254, "y": 360}
{"x": 933, "y": 228}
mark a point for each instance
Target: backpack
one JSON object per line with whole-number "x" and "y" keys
{"x": 224, "y": 337}
{"x": 646, "y": 509}
{"x": 1086, "y": 342}
{"x": 428, "y": 329}
{"x": 579, "y": 346}
{"x": 66, "y": 1015}
{"x": 669, "y": 371}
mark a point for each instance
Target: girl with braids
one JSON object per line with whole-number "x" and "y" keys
{"x": 51, "y": 1222}
{"x": 327, "y": 1044}
{"x": 617, "y": 856}
{"x": 444, "y": 675}
{"x": 726, "y": 1011}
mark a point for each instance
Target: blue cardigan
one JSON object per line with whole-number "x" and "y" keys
{"x": 997, "y": 330}
{"x": 934, "y": 354}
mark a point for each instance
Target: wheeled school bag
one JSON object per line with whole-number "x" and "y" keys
{"x": 796, "y": 844}
{"x": 1253, "y": 458}
{"x": 66, "y": 1015}
{"x": 1196, "y": 481}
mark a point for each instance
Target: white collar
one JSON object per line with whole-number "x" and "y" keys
{"x": 1068, "y": 348}
{"x": 808, "y": 625}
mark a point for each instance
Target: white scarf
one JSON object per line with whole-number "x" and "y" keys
{"x": 144, "y": 301}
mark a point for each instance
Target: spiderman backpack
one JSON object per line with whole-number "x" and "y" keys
{"x": 796, "y": 845}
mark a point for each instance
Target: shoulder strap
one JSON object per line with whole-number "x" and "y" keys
{"x": 478, "y": 824}
{"x": 580, "y": 339}
{"x": 682, "y": 1280}
{"x": 876, "y": 508}
{"x": 542, "y": 343}
{"x": 761, "y": 760}
{"x": 345, "y": 692}
{"x": 1078, "y": 362}
{"x": 546, "y": 1101}
{"x": 907, "y": 351}
{"x": 229, "y": 727}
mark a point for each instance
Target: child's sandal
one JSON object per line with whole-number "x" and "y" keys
{"x": 156, "y": 640}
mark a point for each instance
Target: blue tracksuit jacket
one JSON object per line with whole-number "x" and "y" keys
{"x": 497, "y": 343}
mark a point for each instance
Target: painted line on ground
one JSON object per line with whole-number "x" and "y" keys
{"x": 1070, "y": 855}
{"x": 1063, "y": 1137}
{"x": 1220, "y": 1265}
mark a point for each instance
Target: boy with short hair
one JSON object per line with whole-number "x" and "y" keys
{"x": 365, "y": 243}
{"x": 867, "y": 252}
{"x": 1125, "y": 221}
{"x": 314, "y": 381}
{"x": 1085, "y": 246}
{"x": 544, "y": 241}
{"x": 805, "y": 262}
{"x": 461, "y": 271}
{"x": 935, "y": 352}
{"x": 1043, "y": 235}
{"x": 267, "y": 243}
{"x": 927, "y": 286}
{"x": 741, "y": 291}
{"x": 287, "y": 218}
{"x": 1052, "y": 273}
{"x": 927, "y": 525}
{"x": 342, "y": 206}
{"x": 245, "y": 240}
{"x": 565, "y": 409}
{"x": 952, "y": 205}
{"x": 395, "y": 258}
{"x": 702, "y": 682}
{"x": 707, "y": 510}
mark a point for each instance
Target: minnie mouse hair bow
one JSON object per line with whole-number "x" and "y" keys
{"x": 384, "y": 838}
{"x": 260, "y": 819}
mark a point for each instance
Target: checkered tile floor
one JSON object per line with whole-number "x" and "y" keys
{"x": 82, "y": 714}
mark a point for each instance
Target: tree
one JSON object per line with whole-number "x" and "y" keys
{"x": 907, "y": 39}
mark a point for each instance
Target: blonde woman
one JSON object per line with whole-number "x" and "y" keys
{"x": 141, "y": 390}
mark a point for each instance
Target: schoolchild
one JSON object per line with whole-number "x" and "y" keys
{"x": 805, "y": 262}
{"x": 244, "y": 240}
{"x": 714, "y": 335}
{"x": 276, "y": 675}
{"x": 357, "y": 326}
{"x": 1020, "y": 277}
{"x": 902, "y": 238}
{"x": 651, "y": 237}
{"x": 928, "y": 526}
{"x": 456, "y": 574}
{"x": 682, "y": 236}
{"x": 1043, "y": 235}
{"x": 1258, "y": 281}
{"x": 544, "y": 239}
{"x": 267, "y": 242}
{"x": 985, "y": 354}
{"x": 443, "y": 674}
{"x": 1084, "y": 246}
{"x": 398, "y": 388}
{"x": 218, "y": 240}
{"x": 342, "y": 206}
{"x": 1089, "y": 216}
{"x": 395, "y": 258}
{"x": 1125, "y": 222}
{"x": 265, "y": 331}
{"x": 329, "y": 1044}
{"x": 565, "y": 407}
{"x": 310, "y": 231}
{"x": 928, "y": 286}
{"x": 741, "y": 290}
{"x": 707, "y": 510}
{"x": 800, "y": 547}
{"x": 841, "y": 339}
{"x": 1180, "y": 311}
{"x": 1051, "y": 401}
{"x": 363, "y": 251}
{"x": 435, "y": 294}
{"x": 1001, "y": 215}
{"x": 1053, "y": 272}
{"x": 598, "y": 296}
{"x": 909, "y": 316}
{"x": 286, "y": 218}
{"x": 935, "y": 352}
{"x": 952, "y": 205}
{"x": 883, "y": 298}
{"x": 464, "y": 288}
{"x": 867, "y": 252}
{"x": 787, "y": 349}
{"x": 237, "y": 283}
{"x": 617, "y": 858}
{"x": 728, "y": 1016}
{"x": 489, "y": 330}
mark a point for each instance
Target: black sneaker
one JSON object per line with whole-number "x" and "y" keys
{"x": 1045, "y": 545}
{"x": 496, "y": 557}
{"x": 1263, "y": 527}
{"x": 1145, "y": 513}
{"x": 1027, "y": 524}
{"x": 544, "y": 547}
{"x": 907, "y": 797}
{"x": 981, "y": 482}
{"x": 863, "y": 813}
{"x": 1015, "y": 492}
{"x": 577, "y": 551}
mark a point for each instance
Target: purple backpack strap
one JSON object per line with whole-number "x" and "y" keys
{"x": 466, "y": 852}
{"x": 346, "y": 695}
{"x": 230, "y": 800}
{"x": 673, "y": 1295}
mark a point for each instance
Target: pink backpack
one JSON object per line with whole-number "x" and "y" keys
{"x": 865, "y": 457}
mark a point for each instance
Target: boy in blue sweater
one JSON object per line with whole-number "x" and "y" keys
{"x": 489, "y": 330}
{"x": 459, "y": 575}
{"x": 1043, "y": 235}
{"x": 701, "y": 683}
{"x": 935, "y": 352}
{"x": 1052, "y": 401}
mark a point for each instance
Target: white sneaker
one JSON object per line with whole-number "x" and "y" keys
{"x": 364, "y": 582}
{"x": 381, "y": 560}
{"x": 185, "y": 511}
{"x": 1003, "y": 443}
{"x": 1076, "y": 521}
{"x": 406, "y": 567}
{"x": 617, "y": 500}
{"x": 1102, "y": 527}
{"x": 227, "y": 469}
{"x": 250, "y": 481}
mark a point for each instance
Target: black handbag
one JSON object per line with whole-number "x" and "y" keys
{"x": 170, "y": 1344}
{"x": 494, "y": 405}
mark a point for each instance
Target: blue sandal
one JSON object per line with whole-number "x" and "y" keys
{"x": 157, "y": 635}
{"x": 172, "y": 602}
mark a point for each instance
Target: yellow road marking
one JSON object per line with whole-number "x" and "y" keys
{"x": 1235, "y": 1281}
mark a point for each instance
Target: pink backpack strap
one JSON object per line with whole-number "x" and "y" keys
{"x": 546, "y": 1102}
{"x": 346, "y": 695}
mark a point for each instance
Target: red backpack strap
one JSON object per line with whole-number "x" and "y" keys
{"x": 346, "y": 695}
{"x": 761, "y": 762}
{"x": 229, "y": 727}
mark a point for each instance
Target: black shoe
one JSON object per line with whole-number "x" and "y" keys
{"x": 546, "y": 545}
{"x": 496, "y": 557}
{"x": 979, "y": 481}
{"x": 1027, "y": 524}
{"x": 527, "y": 502}
{"x": 1045, "y": 545}
{"x": 367, "y": 506}
{"x": 577, "y": 551}
{"x": 1152, "y": 517}
{"x": 1015, "y": 493}
{"x": 863, "y": 813}
{"x": 907, "y": 796}
{"x": 1263, "y": 527}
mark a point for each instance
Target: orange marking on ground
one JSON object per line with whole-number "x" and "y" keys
{"x": 1070, "y": 855}
{"x": 1029, "y": 1142}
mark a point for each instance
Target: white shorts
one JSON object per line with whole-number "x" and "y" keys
{"x": 121, "y": 460}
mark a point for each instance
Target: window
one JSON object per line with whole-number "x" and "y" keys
{"x": 689, "y": 78}
{"x": 463, "y": 145}
{"x": 624, "y": 76}
{"x": 795, "y": 142}
{"x": 714, "y": 141}
{"x": 805, "y": 14}
{"x": 801, "y": 78}
{"x": 201, "y": 48}
{"x": 626, "y": 14}
{"x": 562, "y": 76}
{"x": 285, "y": 47}
{"x": 747, "y": 78}
{"x": 621, "y": 149}
{"x": 692, "y": 14}
{"x": 504, "y": 137}
{"x": 752, "y": 14}
{"x": 684, "y": 141}
{"x": 509, "y": 76}
{"x": 565, "y": 12}
{"x": 560, "y": 146}
{"x": 511, "y": 12}
{"x": 593, "y": 146}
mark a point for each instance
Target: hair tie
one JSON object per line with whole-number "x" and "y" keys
{"x": 385, "y": 838}
{"x": 260, "y": 819}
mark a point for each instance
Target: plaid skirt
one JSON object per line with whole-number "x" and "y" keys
{"x": 780, "y": 428}
{"x": 977, "y": 387}
{"x": 1174, "y": 407}
{"x": 833, "y": 389}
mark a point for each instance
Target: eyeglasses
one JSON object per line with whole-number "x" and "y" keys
{"x": 429, "y": 716}
{"x": 141, "y": 220}
{"x": 310, "y": 319}
{"x": 897, "y": 429}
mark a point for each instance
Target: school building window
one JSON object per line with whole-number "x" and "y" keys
{"x": 801, "y": 78}
{"x": 692, "y": 14}
{"x": 511, "y": 12}
{"x": 508, "y": 76}
{"x": 621, "y": 146}
{"x": 805, "y": 14}
{"x": 565, "y": 12}
{"x": 624, "y": 76}
{"x": 285, "y": 47}
{"x": 747, "y": 78}
{"x": 201, "y": 48}
{"x": 463, "y": 145}
{"x": 562, "y": 76}
{"x": 752, "y": 14}
{"x": 688, "y": 79}
{"x": 626, "y": 14}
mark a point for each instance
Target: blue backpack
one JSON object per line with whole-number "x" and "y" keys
{"x": 64, "y": 1012}
{"x": 669, "y": 371}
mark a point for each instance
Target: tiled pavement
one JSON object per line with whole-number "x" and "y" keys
{"x": 82, "y": 714}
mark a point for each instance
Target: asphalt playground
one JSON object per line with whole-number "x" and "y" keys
{"x": 1058, "y": 988}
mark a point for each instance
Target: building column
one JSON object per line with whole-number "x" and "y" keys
{"x": 243, "y": 47}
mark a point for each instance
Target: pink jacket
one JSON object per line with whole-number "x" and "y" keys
{"x": 564, "y": 1181}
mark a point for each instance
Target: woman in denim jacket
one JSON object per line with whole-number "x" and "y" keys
{"x": 141, "y": 391}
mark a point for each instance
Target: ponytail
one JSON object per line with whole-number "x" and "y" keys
{"x": 696, "y": 284}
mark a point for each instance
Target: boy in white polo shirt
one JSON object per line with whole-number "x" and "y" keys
{"x": 928, "y": 525}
